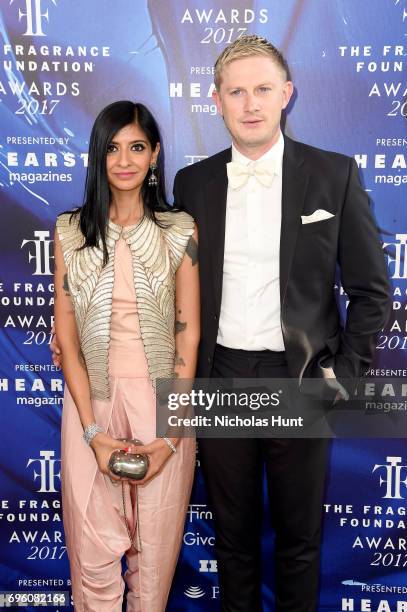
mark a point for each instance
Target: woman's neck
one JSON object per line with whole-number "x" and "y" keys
{"x": 126, "y": 208}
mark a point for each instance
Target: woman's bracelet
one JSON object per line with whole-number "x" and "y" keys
{"x": 90, "y": 432}
{"x": 170, "y": 444}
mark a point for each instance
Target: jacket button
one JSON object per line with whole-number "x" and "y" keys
{"x": 209, "y": 360}
{"x": 215, "y": 317}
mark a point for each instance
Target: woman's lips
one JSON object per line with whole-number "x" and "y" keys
{"x": 125, "y": 175}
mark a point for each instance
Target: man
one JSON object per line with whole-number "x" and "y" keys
{"x": 273, "y": 225}
{"x": 275, "y": 217}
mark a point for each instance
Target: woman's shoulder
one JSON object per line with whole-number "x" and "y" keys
{"x": 68, "y": 220}
{"x": 68, "y": 229}
{"x": 175, "y": 219}
{"x": 177, "y": 228}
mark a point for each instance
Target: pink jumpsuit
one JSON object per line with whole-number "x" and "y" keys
{"x": 95, "y": 530}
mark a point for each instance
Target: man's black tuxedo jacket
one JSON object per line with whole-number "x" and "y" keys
{"x": 309, "y": 253}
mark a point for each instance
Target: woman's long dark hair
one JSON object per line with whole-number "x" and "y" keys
{"x": 94, "y": 213}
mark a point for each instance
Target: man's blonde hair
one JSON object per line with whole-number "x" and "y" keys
{"x": 248, "y": 46}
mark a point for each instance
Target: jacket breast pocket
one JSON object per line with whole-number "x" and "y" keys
{"x": 317, "y": 247}
{"x": 318, "y": 226}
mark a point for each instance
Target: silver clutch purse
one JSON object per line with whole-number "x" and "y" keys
{"x": 129, "y": 465}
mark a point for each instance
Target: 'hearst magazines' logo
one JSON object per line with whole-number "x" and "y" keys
{"x": 41, "y": 253}
{"x": 47, "y": 473}
{"x": 35, "y": 15}
{"x": 395, "y": 477}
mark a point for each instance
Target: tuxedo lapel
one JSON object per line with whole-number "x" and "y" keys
{"x": 294, "y": 186}
{"x": 216, "y": 195}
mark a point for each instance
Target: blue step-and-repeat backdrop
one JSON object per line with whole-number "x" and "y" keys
{"x": 61, "y": 62}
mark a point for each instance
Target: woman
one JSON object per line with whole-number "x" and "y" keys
{"x": 124, "y": 264}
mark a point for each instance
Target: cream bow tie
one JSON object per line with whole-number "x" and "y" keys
{"x": 238, "y": 174}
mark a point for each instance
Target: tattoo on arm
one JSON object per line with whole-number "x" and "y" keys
{"x": 178, "y": 361}
{"x": 192, "y": 250}
{"x": 65, "y": 286}
{"x": 180, "y": 326}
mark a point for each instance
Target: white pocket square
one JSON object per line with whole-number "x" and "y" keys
{"x": 317, "y": 215}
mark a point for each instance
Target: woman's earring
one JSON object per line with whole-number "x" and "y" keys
{"x": 152, "y": 179}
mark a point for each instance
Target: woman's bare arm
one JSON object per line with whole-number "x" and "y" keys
{"x": 187, "y": 334}
{"x": 187, "y": 311}
{"x": 73, "y": 365}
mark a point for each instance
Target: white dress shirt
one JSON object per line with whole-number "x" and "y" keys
{"x": 250, "y": 309}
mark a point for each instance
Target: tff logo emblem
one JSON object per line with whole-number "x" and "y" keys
{"x": 42, "y": 252}
{"x": 395, "y": 477}
{"x": 35, "y": 15}
{"x": 47, "y": 473}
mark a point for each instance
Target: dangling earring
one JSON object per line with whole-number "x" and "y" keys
{"x": 152, "y": 179}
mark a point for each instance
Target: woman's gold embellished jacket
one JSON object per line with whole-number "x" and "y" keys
{"x": 156, "y": 252}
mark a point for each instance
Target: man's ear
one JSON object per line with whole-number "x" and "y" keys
{"x": 288, "y": 90}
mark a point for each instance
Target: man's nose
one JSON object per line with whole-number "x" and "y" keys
{"x": 251, "y": 102}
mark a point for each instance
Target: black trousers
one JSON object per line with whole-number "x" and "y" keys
{"x": 233, "y": 473}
